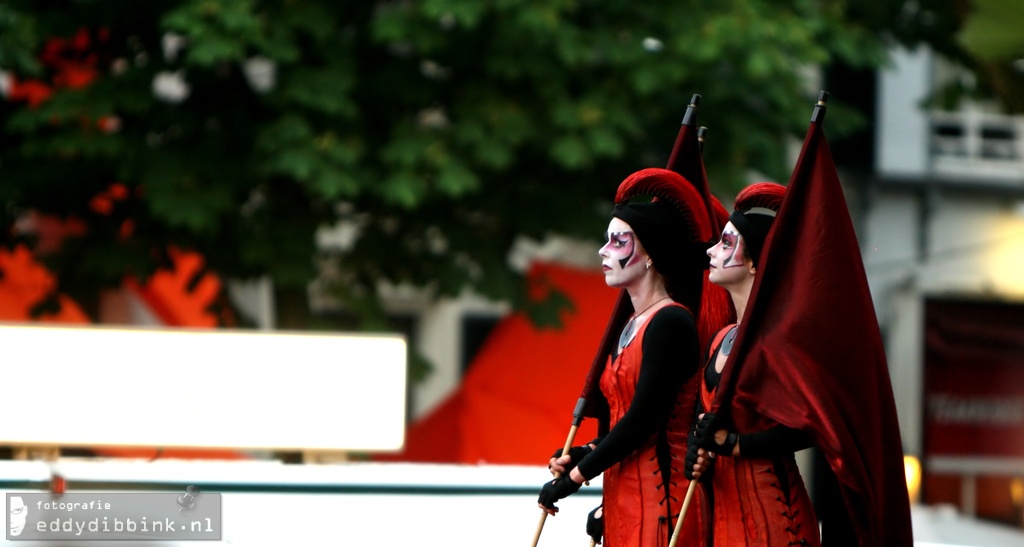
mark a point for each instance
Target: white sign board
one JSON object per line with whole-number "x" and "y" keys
{"x": 89, "y": 386}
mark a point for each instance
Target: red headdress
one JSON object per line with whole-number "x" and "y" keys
{"x": 670, "y": 186}
{"x": 760, "y": 194}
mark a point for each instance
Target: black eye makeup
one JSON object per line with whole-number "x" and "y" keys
{"x": 618, "y": 239}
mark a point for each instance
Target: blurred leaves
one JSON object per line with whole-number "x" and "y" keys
{"x": 18, "y": 39}
{"x": 438, "y": 130}
{"x": 992, "y": 31}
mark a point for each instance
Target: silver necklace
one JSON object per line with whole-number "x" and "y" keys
{"x": 730, "y": 338}
{"x": 627, "y": 332}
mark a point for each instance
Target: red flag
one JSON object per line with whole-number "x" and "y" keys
{"x": 809, "y": 353}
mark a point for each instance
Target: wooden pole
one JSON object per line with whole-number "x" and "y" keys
{"x": 682, "y": 512}
{"x": 565, "y": 450}
{"x": 577, "y": 419}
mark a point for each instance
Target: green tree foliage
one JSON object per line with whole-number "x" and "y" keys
{"x": 438, "y": 130}
{"x": 981, "y": 37}
{"x": 991, "y": 33}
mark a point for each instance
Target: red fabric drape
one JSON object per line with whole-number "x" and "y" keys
{"x": 809, "y": 352}
{"x": 515, "y": 404}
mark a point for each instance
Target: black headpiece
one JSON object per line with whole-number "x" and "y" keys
{"x": 753, "y": 225}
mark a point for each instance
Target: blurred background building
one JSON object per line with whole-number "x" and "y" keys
{"x": 942, "y": 230}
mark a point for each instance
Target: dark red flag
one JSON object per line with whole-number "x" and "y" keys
{"x": 809, "y": 353}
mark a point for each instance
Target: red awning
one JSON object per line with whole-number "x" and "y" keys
{"x": 515, "y": 404}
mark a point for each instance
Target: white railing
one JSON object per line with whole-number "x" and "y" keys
{"x": 977, "y": 144}
{"x": 357, "y": 504}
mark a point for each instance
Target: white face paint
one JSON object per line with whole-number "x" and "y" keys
{"x": 729, "y": 262}
{"x": 621, "y": 259}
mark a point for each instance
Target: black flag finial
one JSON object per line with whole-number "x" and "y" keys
{"x": 819, "y": 108}
{"x": 690, "y": 117}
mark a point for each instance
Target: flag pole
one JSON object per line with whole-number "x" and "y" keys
{"x": 682, "y": 512}
{"x": 577, "y": 418}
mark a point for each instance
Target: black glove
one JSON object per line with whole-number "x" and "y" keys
{"x": 557, "y": 489}
{"x": 576, "y": 454}
{"x": 704, "y": 431}
{"x": 691, "y": 460}
{"x": 595, "y": 524}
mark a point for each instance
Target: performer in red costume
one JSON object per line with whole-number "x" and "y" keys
{"x": 757, "y": 494}
{"x": 807, "y": 355}
{"x": 656, "y": 251}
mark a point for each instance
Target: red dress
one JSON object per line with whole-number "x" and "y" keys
{"x": 644, "y": 491}
{"x": 757, "y": 501}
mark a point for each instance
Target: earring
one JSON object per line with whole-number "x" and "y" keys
{"x": 648, "y": 265}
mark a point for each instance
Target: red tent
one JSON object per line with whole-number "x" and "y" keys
{"x": 515, "y": 404}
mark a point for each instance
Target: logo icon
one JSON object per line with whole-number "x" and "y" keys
{"x": 18, "y": 513}
{"x": 188, "y": 499}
